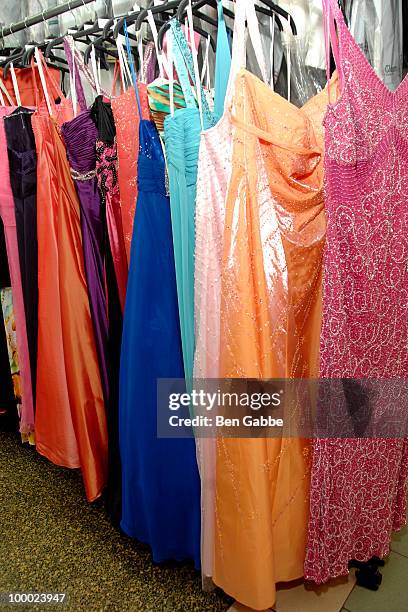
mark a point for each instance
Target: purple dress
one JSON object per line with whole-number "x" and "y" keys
{"x": 80, "y": 136}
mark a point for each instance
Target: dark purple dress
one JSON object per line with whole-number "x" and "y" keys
{"x": 80, "y": 136}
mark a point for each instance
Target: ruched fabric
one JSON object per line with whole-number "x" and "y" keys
{"x": 80, "y": 137}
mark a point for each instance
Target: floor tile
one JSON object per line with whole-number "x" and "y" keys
{"x": 237, "y": 607}
{"x": 392, "y": 594}
{"x": 400, "y": 542}
{"x": 306, "y": 597}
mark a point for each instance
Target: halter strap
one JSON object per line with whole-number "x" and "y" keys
{"x": 171, "y": 73}
{"x": 161, "y": 58}
{"x": 181, "y": 68}
{"x": 222, "y": 62}
{"x": 189, "y": 68}
{"x": 199, "y": 87}
{"x": 124, "y": 70}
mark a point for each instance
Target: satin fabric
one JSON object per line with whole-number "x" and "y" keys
{"x": 7, "y": 214}
{"x": 126, "y": 117}
{"x": 70, "y": 420}
{"x": 80, "y": 137}
{"x": 26, "y": 87}
{"x": 54, "y": 429}
{"x": 161, "y": 487}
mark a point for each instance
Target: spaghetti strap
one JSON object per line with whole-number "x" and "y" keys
{"x": 47, "y": 83}
{"x": 181, "y": 50}
{"x": 222, "y": 63}
{"x": 132, "y": 69}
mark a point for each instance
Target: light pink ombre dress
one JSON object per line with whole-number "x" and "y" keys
{"x": 359, "y": 485}
{"x": 7, "y": 213}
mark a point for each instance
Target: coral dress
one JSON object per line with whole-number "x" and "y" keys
{"x": 127, "y": 121}
{"x": 70, "y": 418}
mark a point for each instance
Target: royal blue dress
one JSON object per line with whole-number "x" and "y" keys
{"x": 160, "y": 480}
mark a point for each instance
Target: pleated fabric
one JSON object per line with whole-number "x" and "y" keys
{"x": 182, "y": 130}
{"x": 80, "y": 135}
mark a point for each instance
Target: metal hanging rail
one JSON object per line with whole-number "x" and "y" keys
{"x": 44, "y": 16}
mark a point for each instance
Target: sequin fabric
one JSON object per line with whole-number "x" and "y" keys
{"x": 260, "y": 234}
{"x": 271, "y": 272}
{"x": 107, "y": 176}
{"x": 358, "y": 486}
{"x": 127, "y": 120}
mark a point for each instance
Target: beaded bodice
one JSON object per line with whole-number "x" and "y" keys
{"x": 365, "y": 323}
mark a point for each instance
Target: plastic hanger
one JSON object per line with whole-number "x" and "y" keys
{"x": 95, "y": 29}
{"x": 166, "y": 25}
{"x": 140, "y": 16}
{"x": 280, "y": 11}
{"x": 182, "y": 10}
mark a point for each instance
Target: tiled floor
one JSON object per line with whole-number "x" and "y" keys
{"x": 344, "y": 595}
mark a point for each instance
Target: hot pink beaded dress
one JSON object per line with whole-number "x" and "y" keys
{"x": 358, "y": 486}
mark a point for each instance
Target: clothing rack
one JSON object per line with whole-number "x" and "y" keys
{"x": 44, "y": 16}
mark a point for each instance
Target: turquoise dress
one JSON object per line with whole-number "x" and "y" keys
{"x": 182, "y": 141}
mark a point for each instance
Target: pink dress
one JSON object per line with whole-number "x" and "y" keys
{"x": 8, "y": 215}
{"x": 359, "y": 485}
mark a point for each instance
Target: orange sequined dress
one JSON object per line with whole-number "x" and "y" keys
{"x": 271, "y": 274}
